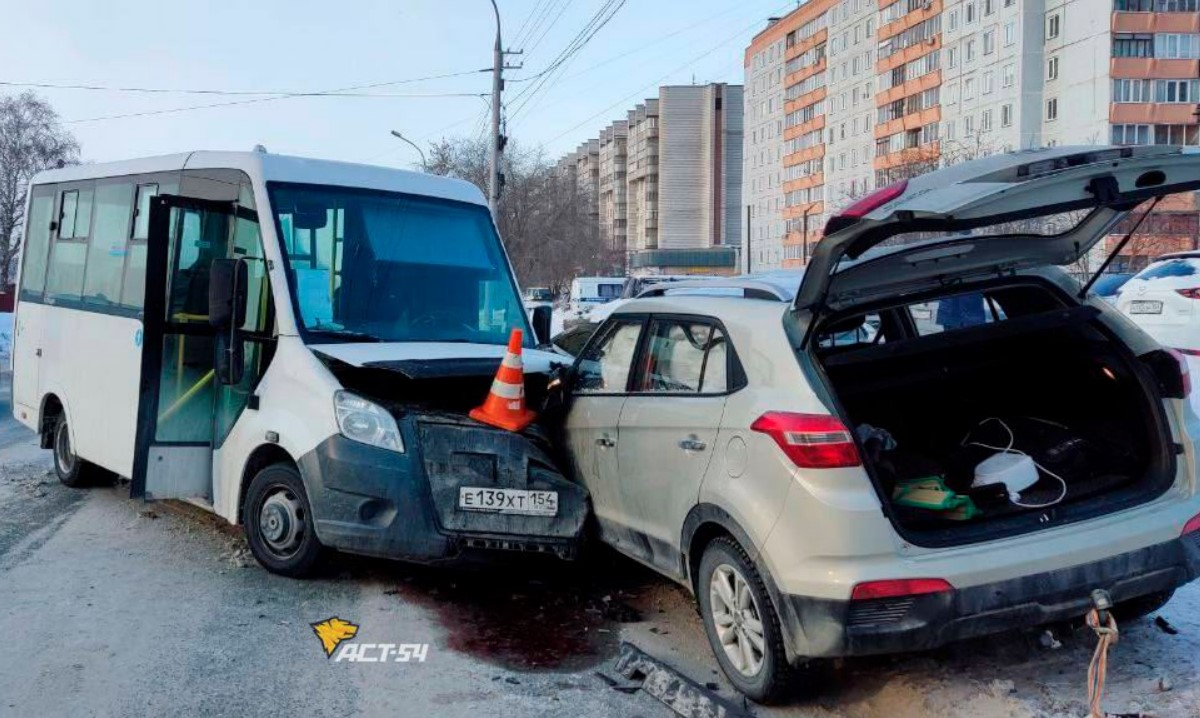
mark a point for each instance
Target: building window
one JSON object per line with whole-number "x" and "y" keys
{"x": 968, "y": 91}
{"x": 989, "y": 82}
{"x": 1008, "y": 75}
{"x": 1131, "y": 134}
{"x": 1126, "y": 45}
{"x": 1176, "y": 46}
{"x": 971, "y": 13}
{"x": 1131, "y": 91}
{"x": 970, "y": 54}
{"x": 989, "y": 42}
{"x": 1052, "y": 26}
{"x": 952, "y": 57}
{"x": 1176, "y": 91}
{"x": 953, "y": 21}
{"x": 1006, "y": 115}
{"x": 1177, "y": 134}
{"x": 1052, "y": 109}
{"x": 1010, "y": 33}
{"x": 989, "y": 7}
{"x": 985, "y": 121}
{"x": 1052, "y": 68}
{"x": 968, "y": 126}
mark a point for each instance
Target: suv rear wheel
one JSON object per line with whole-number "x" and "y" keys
{"x": 741, "y": 623}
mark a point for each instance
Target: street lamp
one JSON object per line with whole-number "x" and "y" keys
{"x": 415, "y": 146}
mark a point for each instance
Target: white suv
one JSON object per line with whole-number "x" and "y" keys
{"x": 834, "y": 475}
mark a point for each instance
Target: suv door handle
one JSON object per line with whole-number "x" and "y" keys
{"x": 692, "y": 444}
{"x": 605, "y": 442}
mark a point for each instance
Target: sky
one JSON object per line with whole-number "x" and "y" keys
{"x": 309, "y": 46}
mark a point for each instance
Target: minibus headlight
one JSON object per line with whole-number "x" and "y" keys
{"x": 366, "y": 422}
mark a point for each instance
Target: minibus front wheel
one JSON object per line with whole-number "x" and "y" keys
{"x": 279, "y": 522}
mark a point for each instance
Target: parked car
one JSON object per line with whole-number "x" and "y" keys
{"x": 1164, "y": 300}
{"x": 1109, "y": 285}
{"x": 819, "y": 470}
{"x": 588, "y": 293}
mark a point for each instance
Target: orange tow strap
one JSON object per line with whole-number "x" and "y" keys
{"x": 1098, "y": 668}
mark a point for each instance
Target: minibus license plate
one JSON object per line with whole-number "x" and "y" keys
{"x": 1145, "y": 306}
{"x": 508, "y": 501}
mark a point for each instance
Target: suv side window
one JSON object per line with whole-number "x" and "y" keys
{"x": 604, "y": 367}
{"x": 684, "y": 356}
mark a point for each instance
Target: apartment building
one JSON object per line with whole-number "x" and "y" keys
{"x": 613, "y": 163}
{"x": 587, "y": 176}
{"x": 642, "y": 177}
{"x": 670, "y": 181}
{"x": 947, "y": 81}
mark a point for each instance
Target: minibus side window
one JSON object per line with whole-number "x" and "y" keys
{"x": 37, "y": 243}
{"x": 106, "y": 253}
{"x": 69, "y": 254}
{"x": 133, "y": 285}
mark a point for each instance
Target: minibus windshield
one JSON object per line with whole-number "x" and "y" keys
{"x": 373, "y": 266}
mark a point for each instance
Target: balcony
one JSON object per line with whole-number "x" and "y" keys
{"x": 1153, "y": 113}
{"x": 1142, "y": 22}
{"x": 1148, "y": 67}
{"x": 909, "y": 155}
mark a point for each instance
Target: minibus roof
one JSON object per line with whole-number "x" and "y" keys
{"x": 266, "y": 167}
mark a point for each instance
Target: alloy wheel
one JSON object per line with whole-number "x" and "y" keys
{"x": 737, "y": 620}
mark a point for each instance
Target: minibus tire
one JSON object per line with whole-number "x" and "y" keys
{"x": 72, "y": 471}
{"x": 774, "y": 681}
{"x": 288, "y": 515}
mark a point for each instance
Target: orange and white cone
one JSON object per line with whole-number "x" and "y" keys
{"x": 505, "y": 403}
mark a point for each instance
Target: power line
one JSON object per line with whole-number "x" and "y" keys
{"x": 173, "y": 110}
{"x": 643, "y": 89}
{"x": 562, "y": 9}
{"x": 522, "y": 31}
{"x": 193, "y": 91}
{"x": 544, "y": 78}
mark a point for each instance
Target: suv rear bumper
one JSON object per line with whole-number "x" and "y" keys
{"x": 828, "y": 628}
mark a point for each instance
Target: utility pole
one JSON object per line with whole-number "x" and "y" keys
{"x": 495, "y": 176}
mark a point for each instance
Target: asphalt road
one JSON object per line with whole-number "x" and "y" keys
{"x": 114, "y": 607}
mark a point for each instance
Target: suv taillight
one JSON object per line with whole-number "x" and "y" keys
{"x": 1193, "y": 293}
{"x": 896, "y": 587}
{"x": 1191, "y": 526}
{"x": 811, "y": 441}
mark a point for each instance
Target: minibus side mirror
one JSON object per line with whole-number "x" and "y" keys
{"x": 541, "y": 324}
{"x": 227, "y": 293}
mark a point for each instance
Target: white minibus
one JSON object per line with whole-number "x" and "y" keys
{"x": 291, "y": 343}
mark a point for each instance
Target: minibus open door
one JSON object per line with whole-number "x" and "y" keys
{"x": 176, "y": 408}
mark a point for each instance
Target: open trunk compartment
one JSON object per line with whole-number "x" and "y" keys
{"x": 1074, "y": 398}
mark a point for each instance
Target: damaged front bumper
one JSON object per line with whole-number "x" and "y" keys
{"x": 819, "y": 628}
{"x": 367, "y": 500}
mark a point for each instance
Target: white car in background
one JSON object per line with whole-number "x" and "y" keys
{"x": 1164, "y": 300}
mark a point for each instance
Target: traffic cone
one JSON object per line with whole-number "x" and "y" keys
{"x": 505, "y": 403}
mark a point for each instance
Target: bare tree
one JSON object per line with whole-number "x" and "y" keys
{"x": 543, "y": 217}
{"x": 31, "y": 140}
